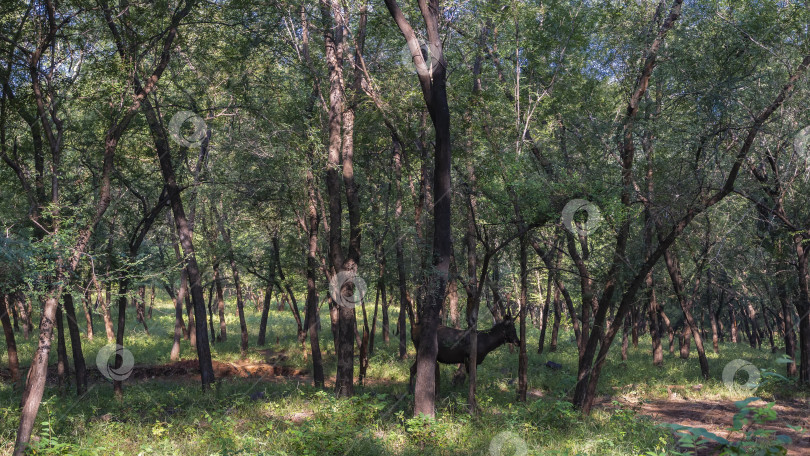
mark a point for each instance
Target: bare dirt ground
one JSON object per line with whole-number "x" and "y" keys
{"x": 716, "y": 416}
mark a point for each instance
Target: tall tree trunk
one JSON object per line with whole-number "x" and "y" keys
{"x": 673, "y": 266}
{"x": 118, "y": 386}
{"x": 555, "y": 330}
{"x": 732, "y": 316}
{"x": 803, "y": 305}
{"x": 211, "y": 311}
{"x": 655, "y": 330}
{"x": 546, "y": 306}
{"x": 400, "y": 256}
{"x": 523, "y": 360}
{"x": 11, "y": 345}
{"x": 184, "y": 231}
{"x": 268, "y": 297}
{"x": 87, "y": 300}
{"x": 625, "y": 338}
{"x": 25, "y": 316}
{"x": 75, "y": 345}
{"x": 787, "y": 322}
{"x": 432, "y": 78}
{"x": 140, "y": 307}
{"x": 62, "y": 365}
{"x": 240, "y": 306}
{"x": 685, "y": 339}
{"x": 223, "y": 330}
{"x": 756, "y": 341}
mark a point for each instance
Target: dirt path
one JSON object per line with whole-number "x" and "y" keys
{"x": 716, "y": 417}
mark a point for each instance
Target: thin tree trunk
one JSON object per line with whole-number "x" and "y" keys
{"x": 118, "y": 387}
{"x": 555, "y": 330}
{"x": 62, "y": 365}
{"x": 226, "y": 237}
{"x": 223, "y": 330}
{"x": 88, "y": 313}
{"x": 732, "y": 315}
{"x": 211, "y": 311}
{"x": 25, "y": 316}
{"x": 140, "y": 307}
{"x": 312, "y": 317}
{"x": 625, "y": 338}
{"x": 673, "y": 266}
{"x": 75, "y": 345}
{"x": 685, "y": 339}
{"x": 185, "y": 235}
{"x": 546, "y": 306}
{"x": 523, "y": 360}
{"x": 268, "y": 297}
{"x": 787, "y": 321}
{"x": 11, "y": 345}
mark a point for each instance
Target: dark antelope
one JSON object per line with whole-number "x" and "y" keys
{"x": 454, "y": 344}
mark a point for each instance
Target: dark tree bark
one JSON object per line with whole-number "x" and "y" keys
{"x": 25, "y": 316}
{"x": 523, "y": 360}
{"x": 75, "y": 345}
{"x": 546, "y": 309}
{"x": 312, "y": 318}
{"x": 223, "y": 330}
{"x": 140, "y": 307}
{"x": 211, "y": 311}
{"x": 62, "y": 365}
{"x": 240, "y": 306}
{"x": 184, "y": 231}
{"x": 432, "y": 79}
{"x": 625, "y": 338}
{"x": 555, "y": 330}
{"x": 787, "y": 322}
{"x": 11, "y": 345}
{"x": 400, "y": 256}
{"x": 268, "y": 297}
{"x": 674, "y": 269}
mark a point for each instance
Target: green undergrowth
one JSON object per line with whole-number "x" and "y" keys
{"x": 287, "y": 416}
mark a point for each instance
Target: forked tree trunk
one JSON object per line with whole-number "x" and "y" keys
{"x": 673, "y": 266}
{"x": 184, "y": 232}
{"x": 268, "y": 297}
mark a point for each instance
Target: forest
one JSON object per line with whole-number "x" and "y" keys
{"x": 409, "y": 227}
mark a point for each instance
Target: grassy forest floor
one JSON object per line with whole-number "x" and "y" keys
{"x": 265, "y": 403}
